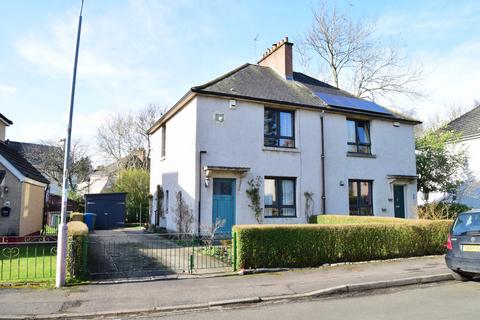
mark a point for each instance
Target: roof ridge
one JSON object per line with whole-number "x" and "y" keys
{"x": 220, "y": 78}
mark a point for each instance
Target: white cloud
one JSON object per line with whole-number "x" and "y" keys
{"x": 6, "y": 89}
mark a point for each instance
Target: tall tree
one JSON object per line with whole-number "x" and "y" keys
{"x": 123, "y": 138}
{"x": 355, "y": 58}
{"x": 442, "y": 164}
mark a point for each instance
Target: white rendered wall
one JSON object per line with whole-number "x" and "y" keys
{"x": 176, "y": 171}
{"x": 394, "y": 151}
{"x": 238, "y": 142}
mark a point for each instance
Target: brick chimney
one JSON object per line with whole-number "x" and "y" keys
{"x": 279, "y": 58}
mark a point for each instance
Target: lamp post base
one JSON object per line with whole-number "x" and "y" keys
{"x": 61, "y": 255}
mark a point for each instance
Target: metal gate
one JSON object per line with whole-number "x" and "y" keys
{"x": 148, "y": 255}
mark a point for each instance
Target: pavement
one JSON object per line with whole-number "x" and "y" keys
{"x": 104, "y": 299}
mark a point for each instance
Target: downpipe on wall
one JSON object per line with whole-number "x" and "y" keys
{"x": 322, "y": 157}
{"x": 201, "y": 153}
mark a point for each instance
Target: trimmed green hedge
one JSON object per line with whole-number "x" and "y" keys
{"x": 77, "y": 250}
{"x": 295, "y": 246}
{"x": 345, "y": 219}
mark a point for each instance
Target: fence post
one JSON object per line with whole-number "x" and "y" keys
{"x": 234, "y": 243}
{"x": 191, "y": 264}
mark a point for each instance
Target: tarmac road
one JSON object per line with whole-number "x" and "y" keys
{"x": 451, "y": 300}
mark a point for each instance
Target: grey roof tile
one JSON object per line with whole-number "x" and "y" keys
{"x": 20, "y": 163}
{"x": 467, "y": 124}
{"x": 264, "y": 84}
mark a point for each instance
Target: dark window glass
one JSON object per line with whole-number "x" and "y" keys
{"x": 467, "y": 223}
{"x": 279, "y": 197}
{"x": 222, "y": 187}
{"x": 360, "y": 198}
{"x": 278, "y": 129}
{"x": 358, "y": 136}
{"x": 166, "y": 202}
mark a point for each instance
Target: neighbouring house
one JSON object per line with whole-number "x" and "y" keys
{"x": 103, "y": 178}
{"x": 22, "y": 191}
{"x": 468, "y": 125}
{"x": 313, "y": 148}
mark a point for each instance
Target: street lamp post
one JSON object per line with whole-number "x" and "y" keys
{"x": 62, "y": 228}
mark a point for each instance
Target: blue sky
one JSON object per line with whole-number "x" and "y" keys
{"x": 139, "y": 52}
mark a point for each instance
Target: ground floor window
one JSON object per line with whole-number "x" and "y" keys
{"x": 360, "y": 197}
{"x": 279, "y": 197}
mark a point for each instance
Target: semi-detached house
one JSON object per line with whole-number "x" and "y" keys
{"x": 315, "y": 149}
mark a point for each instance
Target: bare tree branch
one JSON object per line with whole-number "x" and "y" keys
{"x": 357, "y": 60}
{"x": 124, "y": 139}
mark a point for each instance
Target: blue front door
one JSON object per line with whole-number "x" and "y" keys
{"x": 224, "y": 204}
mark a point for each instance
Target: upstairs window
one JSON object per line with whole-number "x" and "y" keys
{"x": 358, "y": 136}
{"x": 279, "y": 128}
{"x": 164, "y": 140}
{"x": 360, "y": 197}
{"x": 279, "y": 197}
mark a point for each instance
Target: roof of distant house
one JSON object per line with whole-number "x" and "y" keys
{"x": 20, "y": 163}
{"x": 5, "y": 119}
{"x": 33, "y": 151}
{"x": 260, "y": 83}
{"x": 467, "y": 124}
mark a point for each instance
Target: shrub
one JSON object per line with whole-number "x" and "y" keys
{"x": 441, "y": 210}
{"x": 271, "y": 246}
{"x": 77, "y": 249}
{"x": 76, "y": 216}
{"x": 345, "y": 219}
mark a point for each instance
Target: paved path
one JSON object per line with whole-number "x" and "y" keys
{"x": 115, "y": 297}
{"x": 452, "y": 300}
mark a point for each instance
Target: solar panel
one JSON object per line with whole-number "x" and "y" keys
{"x": 351, "y": 103}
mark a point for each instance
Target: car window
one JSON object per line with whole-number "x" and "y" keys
{"x": 467, "y": 223}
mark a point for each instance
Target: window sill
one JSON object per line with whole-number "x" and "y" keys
{"x": 280, "y": 149}
{"x": 280, "y": 217}
{"x": 361, "y": 155}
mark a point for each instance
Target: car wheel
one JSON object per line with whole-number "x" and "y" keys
{"x": 461, "y": 276}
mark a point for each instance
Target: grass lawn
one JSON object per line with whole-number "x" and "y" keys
{"x": 49, "y": 230}
{"x": 31, "y": 262}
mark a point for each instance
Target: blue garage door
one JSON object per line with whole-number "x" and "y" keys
{"x": 109, "y": 207}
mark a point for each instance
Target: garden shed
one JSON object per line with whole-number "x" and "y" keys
{"x": 109, "y": 208}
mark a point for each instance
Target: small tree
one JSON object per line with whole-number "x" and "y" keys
{"x": 136, "y": 183}
{"x": 184, "y": 215}
{"x": 441, "y": 162}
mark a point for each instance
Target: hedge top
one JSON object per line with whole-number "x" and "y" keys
{"x": 77, "y": 228}
{"x": 344, "y": 219}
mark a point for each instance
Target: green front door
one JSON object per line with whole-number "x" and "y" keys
{"x": 399, "y": 201}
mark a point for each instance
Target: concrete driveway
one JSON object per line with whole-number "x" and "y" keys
{"x": 133, "y": 253}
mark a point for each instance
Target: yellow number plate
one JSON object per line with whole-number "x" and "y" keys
{"x": 471, "y": 248}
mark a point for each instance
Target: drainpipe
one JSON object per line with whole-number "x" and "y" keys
{"x": 324, "y": 210}
{"x": 200, "y": 188}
